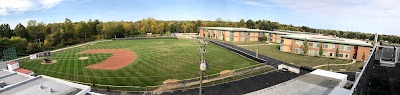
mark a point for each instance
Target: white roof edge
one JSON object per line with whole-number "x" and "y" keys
{"x": 329, "y": 74}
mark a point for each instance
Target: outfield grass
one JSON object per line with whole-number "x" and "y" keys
{"x": 158, "y": 60}
{"x": 301, "y": 60}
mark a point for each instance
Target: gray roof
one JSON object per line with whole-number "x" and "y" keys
{"x": 233, "y": 29}
{"x": 327, "y": 39}
{"x": 21, "y": 84}
{"x": 244, "y": 30}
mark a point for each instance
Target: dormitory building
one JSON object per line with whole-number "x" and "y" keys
{"x": 292, "y": 41}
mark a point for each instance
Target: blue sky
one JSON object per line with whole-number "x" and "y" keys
{"x": 368, "y": 16}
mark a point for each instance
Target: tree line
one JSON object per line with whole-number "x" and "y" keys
{"x": 39, "y": 36}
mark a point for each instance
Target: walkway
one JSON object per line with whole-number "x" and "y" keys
{"x": 354, "y": 61}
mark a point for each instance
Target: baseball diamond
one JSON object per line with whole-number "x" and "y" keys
{"x": 146, "y": 62}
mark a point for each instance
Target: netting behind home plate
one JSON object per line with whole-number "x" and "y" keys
{"x": 9, "y": 54}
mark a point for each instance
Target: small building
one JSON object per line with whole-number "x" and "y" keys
{"x": 347, "y": 48}
{"x": 14, "y": 66}
{"x": 149, "y": 34}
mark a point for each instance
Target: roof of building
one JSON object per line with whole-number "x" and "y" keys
{"x": 12, "y": 62}
{"x": 24, "y": 71}
{"x": 232, "y": 29}
{"x": 279, "y": 32}
{"x": 327, "y": 39}
{"x": 21, "y": 84}
{"x": 285, "y": 32}
{"x": 308, "y": 84}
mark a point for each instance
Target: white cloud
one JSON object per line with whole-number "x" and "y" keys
{"x": 17, "y": 6}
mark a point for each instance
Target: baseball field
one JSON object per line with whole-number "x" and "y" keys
{"x": 146, "y": 62}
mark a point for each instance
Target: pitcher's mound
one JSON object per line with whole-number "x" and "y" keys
{"x": 83, "y": 58}
{"x": 171, "y": 81}
{"x": 52, "y": 62}
{"x": 226, "y": 73}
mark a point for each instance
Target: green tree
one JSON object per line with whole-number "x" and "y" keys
{"x": 363, "y": 56}
{"x": 250, "y": 24}
{"x": 262, "y": 38}
{"x": 241, "y": 23}
{"x": 20, "y": 31}
{"x": 6, "y": 31}
{"x": 305, "y": 46}
{"x": 337, "y": 53}
{"x": 321, "y": 50}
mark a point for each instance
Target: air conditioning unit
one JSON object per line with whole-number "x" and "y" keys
{"x": 389, "y": 56}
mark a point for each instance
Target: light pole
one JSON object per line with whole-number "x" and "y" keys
{"x": 203, "y": 64}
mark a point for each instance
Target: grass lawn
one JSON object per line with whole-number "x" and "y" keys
{"x": 301, "y": 60}
{"x": 158, "y": 60}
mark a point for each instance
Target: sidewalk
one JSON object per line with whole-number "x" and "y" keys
{"x": 354, "y": 61}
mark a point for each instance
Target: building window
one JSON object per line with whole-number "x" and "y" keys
{"x": 324, "y": 54}
{"x": 297, "y": 43}
{"x": 331, "y": 54}
{"x": 325, "y": 45}
{"x": 296, "y": 50}
{"x": 347, "y": 56}
{"x": 241, "y": 38}
{"x": 301, "y": 51}
{"x": 310, "y": 52}
{"x": 341, "y": 47}
{"x": 310, "y": 44}
{"x": 317, "y": 45}
{"x": 316, "y": 53}
{"x": 340, "y": 55}
{"x": 333, "y": 46}
{"x": 348, "y": 48}
{"x": 232, "y": 34}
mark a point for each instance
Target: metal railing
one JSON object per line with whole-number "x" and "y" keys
{"x": 360, "y": 86}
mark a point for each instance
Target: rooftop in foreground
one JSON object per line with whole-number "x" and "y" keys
{"x": 21, "y": 84}
{"x": 314, "y": 83}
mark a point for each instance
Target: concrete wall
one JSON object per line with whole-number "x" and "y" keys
{"x": 361, "y": 50}
{"x": 291, "y": 69}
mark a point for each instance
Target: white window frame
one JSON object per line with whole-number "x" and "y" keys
{"x": 348, "y": 48}
{"x": 341, "y": 47}
{"x": 326, "y": 46}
